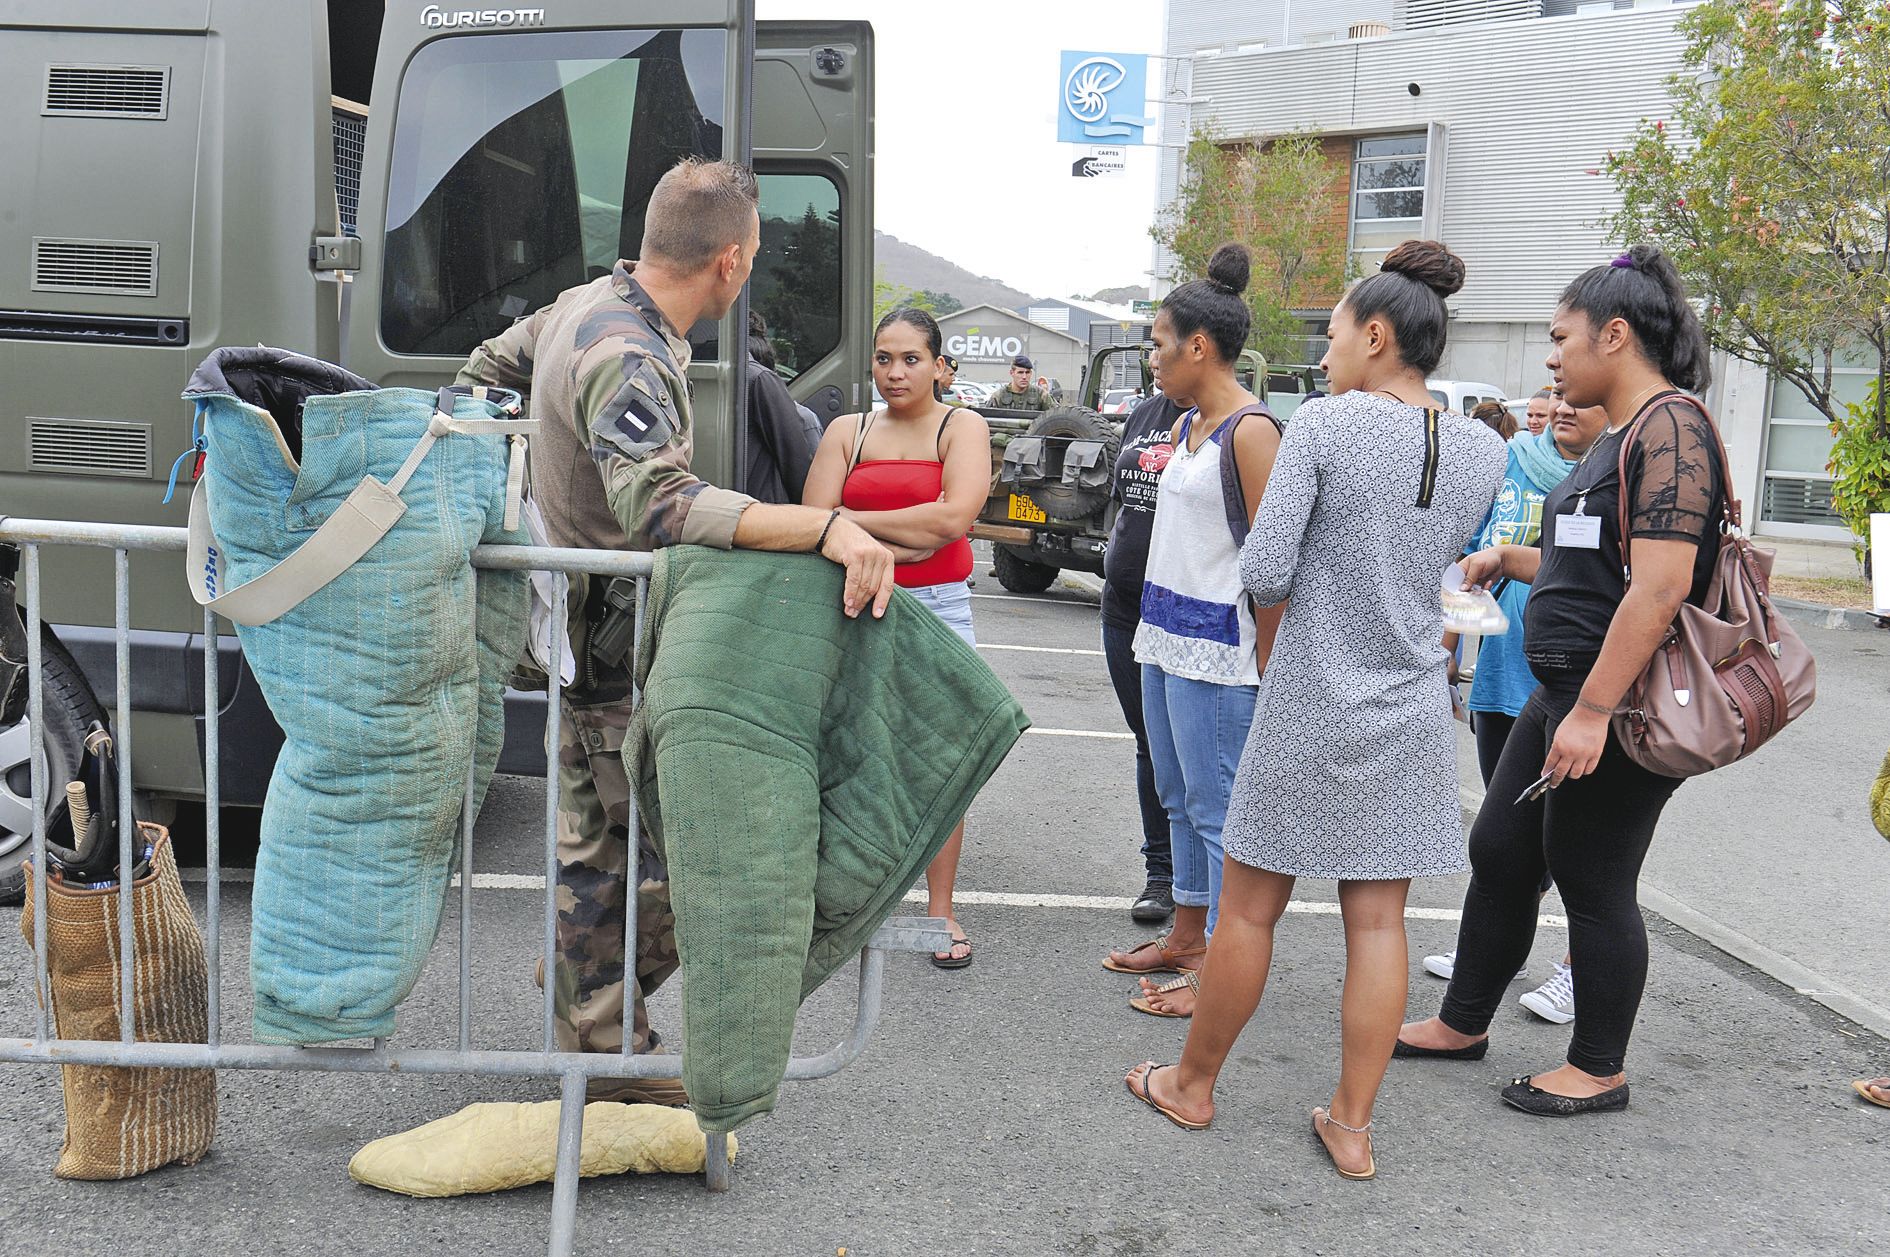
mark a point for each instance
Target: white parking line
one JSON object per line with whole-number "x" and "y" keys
{"x": 982, "y": 898}
{"x": 1079, "y": 733}
{"x": 1040, "y": 602}
{"x": 1039, "y": 650}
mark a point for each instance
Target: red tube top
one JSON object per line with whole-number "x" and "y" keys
{"x": 892, "y": 484}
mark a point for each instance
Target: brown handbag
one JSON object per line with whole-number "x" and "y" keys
{"x": 1729, "y": 674}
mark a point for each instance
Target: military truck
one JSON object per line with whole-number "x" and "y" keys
{"x": 381, "y": 185}
{"x": 1049, "y": 508}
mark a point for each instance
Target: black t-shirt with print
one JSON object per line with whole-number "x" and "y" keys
{"x": 1675, "y": 494}
{"x": 1138, "y": 473}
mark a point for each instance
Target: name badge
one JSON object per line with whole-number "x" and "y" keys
{"x": 1580, "y": 531}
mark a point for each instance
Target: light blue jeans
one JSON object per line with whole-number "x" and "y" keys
{"x": 950, "y": 602}
{"x": 1196, "y": 730}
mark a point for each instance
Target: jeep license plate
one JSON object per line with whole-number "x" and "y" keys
{"x": 1025, "y": 509}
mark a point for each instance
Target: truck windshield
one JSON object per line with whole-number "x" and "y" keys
{"x": 522, "y": 165}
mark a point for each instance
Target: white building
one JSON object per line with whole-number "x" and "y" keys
{"x": 1485, "y": 124}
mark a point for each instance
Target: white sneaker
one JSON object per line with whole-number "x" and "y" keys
{"x": 1554, "y": 1000}
{"x": 1445, "y": 966}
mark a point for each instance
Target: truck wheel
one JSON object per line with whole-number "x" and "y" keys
{"x": 1021, "y": 576}
{"x": 70, "y": 708}
{"x": 1071, "y": 503}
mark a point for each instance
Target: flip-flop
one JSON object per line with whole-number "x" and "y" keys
{"x": 1371, "y": 1161}
{"x": 1188, "y": 978}
{"x": 1147, "y": 1097}
{"x": 949, "y": 961}
{"x": 1166, "y": 965}
{"x": 1862, "y": 1087}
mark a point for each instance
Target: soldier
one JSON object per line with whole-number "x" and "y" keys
{"x": 605, "y": 367}
{"x": 947, "y": 376}
{"x": 1020, "y": 393}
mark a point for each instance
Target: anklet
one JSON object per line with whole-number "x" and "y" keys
{"x": 1356, "y": 1130}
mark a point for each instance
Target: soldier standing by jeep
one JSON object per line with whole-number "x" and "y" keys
{"x": 605, "y": 367}
{"x": 1020, "y": 393}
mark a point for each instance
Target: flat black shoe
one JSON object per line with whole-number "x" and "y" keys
{"x": 1155, "y": 903}
{"x": 1522, "y": 1094}
{"x": 1475, "y": 1052}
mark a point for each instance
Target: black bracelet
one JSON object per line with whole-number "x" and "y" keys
{"x": 821, "y": 544}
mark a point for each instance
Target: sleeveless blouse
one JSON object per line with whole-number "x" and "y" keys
{"x": 1197, "y": 621}
{"x": 892, "y": 484}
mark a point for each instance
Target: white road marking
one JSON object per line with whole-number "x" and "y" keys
{"x": 982, "y": 898}
{"x": 1040, "y": 602}
{"x": 1039, "y": 650}
{"x": 1079, "y": 733}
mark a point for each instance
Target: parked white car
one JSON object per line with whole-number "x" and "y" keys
{"x": 1463, "y": 396}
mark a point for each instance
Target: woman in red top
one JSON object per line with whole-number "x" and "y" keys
{"x": 914, "y": 475}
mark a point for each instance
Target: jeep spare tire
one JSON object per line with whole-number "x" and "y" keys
{"x": 1083, "y": 493}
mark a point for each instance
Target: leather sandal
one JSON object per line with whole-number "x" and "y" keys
{"x": 1875, "y": 1090}
{"x": 1167, "y": 959}
{"x": 1321, "y": 1118}
{"x": 1147, "y": 1097}
{"x": 1142, "y": 1003}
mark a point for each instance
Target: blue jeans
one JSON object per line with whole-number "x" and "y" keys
{"x": 1196, "y": 730}
{"x": 950, "y": 602}
{"x": 1125, "y": 674}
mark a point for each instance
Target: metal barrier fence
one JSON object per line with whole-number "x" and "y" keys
{"x": 574, "y": 1069}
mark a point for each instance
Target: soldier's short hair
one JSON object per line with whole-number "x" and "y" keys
{"x": 697, "y": 210}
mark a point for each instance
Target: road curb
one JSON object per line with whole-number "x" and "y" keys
{"x": 1745, "y": 949}
{"x": 1818, "y": 615}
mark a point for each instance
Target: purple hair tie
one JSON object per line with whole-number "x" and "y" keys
{"x": 1625, "y": 262}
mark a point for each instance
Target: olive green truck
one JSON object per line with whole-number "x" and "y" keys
{"x": 380, "y": 185}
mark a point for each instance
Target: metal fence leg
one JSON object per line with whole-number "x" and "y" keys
{"x": 564, "y": 1187}
{"x": 715, "y": 1168}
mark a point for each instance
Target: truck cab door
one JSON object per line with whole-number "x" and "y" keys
{"x": 508, "y": 161}
{"x": 813, "y": 157}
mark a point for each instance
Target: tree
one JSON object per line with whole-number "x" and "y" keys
{"x": 889, "y": 296}
{"x": 1274, "y": 198}
{"x": 1771, "y": 191}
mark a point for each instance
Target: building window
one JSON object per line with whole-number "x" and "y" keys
{"x": 1387, "y": 195}
{"x": 1797, "y": 488}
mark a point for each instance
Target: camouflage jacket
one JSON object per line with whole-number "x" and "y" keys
{"x": 1032, "y": 398}
{"x": 607, "y": 377}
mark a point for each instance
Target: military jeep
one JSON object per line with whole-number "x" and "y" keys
{"x": 1049, "y": 508}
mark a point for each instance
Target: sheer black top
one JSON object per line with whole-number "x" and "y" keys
{"x": 1675, "y": 493}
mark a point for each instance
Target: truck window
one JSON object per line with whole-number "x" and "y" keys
{"x": 796, "y": 284}
{"x": 522, "y": 164}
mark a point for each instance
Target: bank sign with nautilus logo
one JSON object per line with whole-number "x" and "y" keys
{"x": 1104, "y": 98}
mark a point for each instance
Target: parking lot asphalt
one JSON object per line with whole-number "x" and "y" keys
{"x": 989, "y": 1116}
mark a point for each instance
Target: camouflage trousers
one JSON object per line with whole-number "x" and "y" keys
{"x": 593, "y": 871}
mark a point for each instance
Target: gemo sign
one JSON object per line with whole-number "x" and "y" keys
{"x": 971, "y": 344}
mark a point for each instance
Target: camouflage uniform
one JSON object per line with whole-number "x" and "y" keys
{"x": 1008, "y": 398}
{"x": 607, "y": 376}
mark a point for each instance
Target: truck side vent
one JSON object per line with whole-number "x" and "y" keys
{"x": 350, "y": 138}
{"x": 108, "y": 91}
{"x": 117, "y": 267}
{"x": 88, "y": 447}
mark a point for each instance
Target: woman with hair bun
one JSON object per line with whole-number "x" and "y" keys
{"x": 1351, "y": 769}
{"x": 1200, "y": 644}
{"x": 1565, "y": 796}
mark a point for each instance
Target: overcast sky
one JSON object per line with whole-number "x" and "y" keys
{"x": 967, "y": 97}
